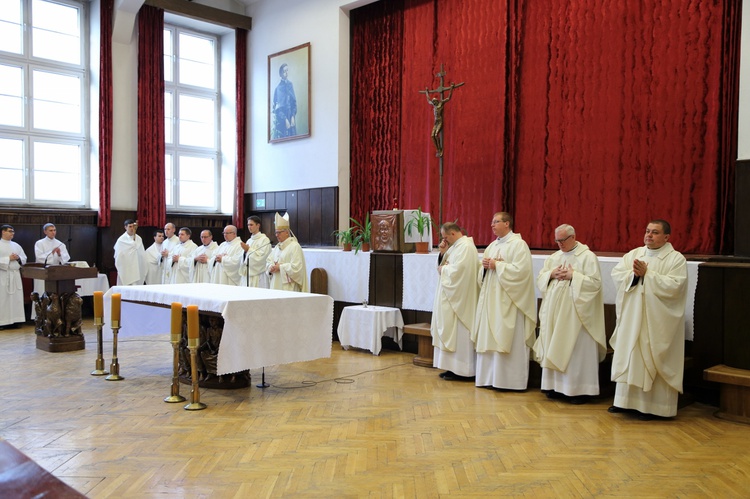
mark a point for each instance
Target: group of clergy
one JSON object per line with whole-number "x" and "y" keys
{"x": 485, "y": 316}
{"x": 176, "y": 259}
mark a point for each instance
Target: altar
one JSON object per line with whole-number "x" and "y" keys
{"x": 262, "y": 327}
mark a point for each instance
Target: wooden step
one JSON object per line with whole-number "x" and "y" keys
{"x": 424, "y": 343}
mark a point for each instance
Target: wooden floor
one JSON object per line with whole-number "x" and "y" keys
{"x": 354, "y": 425}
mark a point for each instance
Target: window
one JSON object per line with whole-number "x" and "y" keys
{"x": 191, "y": 110}
{"x": 43, "y": 103}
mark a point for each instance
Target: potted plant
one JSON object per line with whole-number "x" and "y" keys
{"x": 421, "y": 222}
{"x": 345, "y": 238}
{"x": 363, "y": 232}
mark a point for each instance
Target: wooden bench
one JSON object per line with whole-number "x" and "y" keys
{"x": 424, "y": 343}
{"x": 734, "y": 398}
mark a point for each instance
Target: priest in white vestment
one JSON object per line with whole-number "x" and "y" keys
{"x": 506, "y": 314}
{"x": 200, "y": 270}
{"x": 649, "y": 337}
{"x": 225, "y": 263}
{"x": 571, "y": 341}
{"x": 130, "y": 257}
{"x": 257, "y": 249}
{"x": 286, "y": 262}
{"x": 154, "y": 269}
{"x": 455, "y": 305}
{"x": 170, "y": 241}
{"x": 49, "y": 251}
{"x": 180, "y": 261}
{"x": 12, "y": 257}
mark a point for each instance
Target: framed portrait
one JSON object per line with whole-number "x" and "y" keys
{"x": 289, "y": 94}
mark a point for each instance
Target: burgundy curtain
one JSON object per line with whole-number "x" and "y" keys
{"x": 152, "y": 207}
{"x": 241, "y": 65}
{"x": 105, "y": 113}
{"x": 600, "y": 114}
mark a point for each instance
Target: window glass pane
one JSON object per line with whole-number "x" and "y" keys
{"x": 57, "y": 172}
{"x": 56, "y": 32}
{"x": 56, "y": 102}
{"x": 197, "y": 61}
{"x": 169, "y": 178}
{"x": 196, "y": 185}
{"x": 196, "y": 121}
{"x": 168, "y": 117}
{"x": 11, "y": 96}
{"x": 11, "y": 169}
{"x": 168, "y": 55}
{"x": 11, "y": 31}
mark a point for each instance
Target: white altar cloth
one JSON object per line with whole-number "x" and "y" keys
{"x": 262, "y": 327}
{"x": 364, "y": 327}
{"x": 348, "y": 273}
{"x": 420, "y": 282}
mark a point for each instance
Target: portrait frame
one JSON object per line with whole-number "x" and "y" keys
{"x": 289, "y": 94}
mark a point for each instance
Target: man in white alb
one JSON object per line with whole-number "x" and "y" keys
{"x": 257, "y": 249}
{"x": 225, "y": 262}
{"x": 12, "y": 257}
{"x": 49, "y": 251}
{"x": 200, "y": 271}
{"x": 180, "y": 259}
{"x": 286, "y": 262}
{"x": 170, "y": 241}
{"x": 455, "y": 304}
{"x": 571, "y": 340}
{"x": 649, "y": 337}
{"x": 154, "y": 259}
{"x": 506, "y": 314}
{"x": 130, "y": 257}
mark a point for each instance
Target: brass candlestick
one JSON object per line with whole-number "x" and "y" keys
{"x": 175, "y": 396}
{"x": 195, "y": 394}
{"x": 114, "y": 367}
{"x": 99, "y": 371}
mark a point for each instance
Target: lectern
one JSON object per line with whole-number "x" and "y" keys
{"x": 58, "y": 310}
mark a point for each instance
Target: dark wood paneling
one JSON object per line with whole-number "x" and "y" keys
{"x": 313, "y": 213}
{"x": 742, "y": 209}
{"x": 386, "y": 279}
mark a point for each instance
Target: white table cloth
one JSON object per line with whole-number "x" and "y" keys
{"x": 420, "y": 283}
{"x": 348, "y": 272}
{"x": 262, "y": 327}
{"x": 364, "y": 327}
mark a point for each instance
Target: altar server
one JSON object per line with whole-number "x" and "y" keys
{"x": 12, "y": 257}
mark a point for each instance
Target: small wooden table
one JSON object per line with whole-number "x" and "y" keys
{"x": 734, "y": 401}
{"x": 363, "y": 326}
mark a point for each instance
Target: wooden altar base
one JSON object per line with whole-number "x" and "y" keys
{"x": 226, "y": 382}
{"x": 60, "y": 343}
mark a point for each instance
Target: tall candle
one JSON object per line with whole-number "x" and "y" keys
{"x": 192, "y": 321}
{"x": 98, "y": 304}
{"x": 116, "y": 307}
{"x": 176, "y": 318}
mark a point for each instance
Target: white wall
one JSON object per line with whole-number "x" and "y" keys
{"x": 743, "y": 146}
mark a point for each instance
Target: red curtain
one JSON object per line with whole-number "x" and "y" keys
{"x": 152, "y": 206}
{"x": 105, "y": 113}
{"x": 601, "y": 114}
{"x": 241, "y": 68}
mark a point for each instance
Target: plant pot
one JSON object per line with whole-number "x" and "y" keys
{"x": 422, "y": 247}
{"x": 365, "y": 247}
{"x": 347, "y": 246}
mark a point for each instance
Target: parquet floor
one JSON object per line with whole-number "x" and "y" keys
{"x": 354, "y": 425}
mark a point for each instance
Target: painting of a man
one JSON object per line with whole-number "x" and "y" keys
{"x": 284, "y": 106}
{"x": 289, "y": 103}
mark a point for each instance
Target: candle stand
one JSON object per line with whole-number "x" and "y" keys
{"x": 195, "y": 394}
{"x": 99, "y": 368}
{"x": 175, "y": 389}
{"x": 114, "y": 367}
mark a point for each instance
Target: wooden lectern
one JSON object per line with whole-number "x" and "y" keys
{"x": 58, "y": 310}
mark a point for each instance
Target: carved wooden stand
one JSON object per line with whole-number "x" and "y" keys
{"x": 207, "y": 355}
{"x": 58, "y": 310}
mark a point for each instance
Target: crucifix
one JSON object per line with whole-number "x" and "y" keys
{"x": 438, "y": 101}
